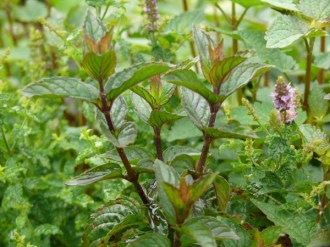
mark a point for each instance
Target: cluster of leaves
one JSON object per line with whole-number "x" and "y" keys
{"x": 182, "y": 162}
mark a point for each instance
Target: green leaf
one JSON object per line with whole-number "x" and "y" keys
{"x": 167, "y": 93}
{"x": 94, "y": 28}
{"x": 47, "y": 230}
{"x": 106, "y": 218}
{"x": 298, "y": 225}
{"x": 220, "y": 70}
{"x": 222, "y": 191}
{"x": 197, "y": 233}
{"x": 134, "y": 154}
{"x": 315, "y": 9}
{"x": 327, "y": 97}
{"x": 31, "y": 11}
{"x": 142, "y": 108}
{"x": 203, "y": 43}
{"x": 130, "y": 221}
{"x": 201, "y": 185}
{"x": 167, "y": 174}
{"x": 183, "y": 22}
{"x": 118, "y": 113}
{"x": 248, "y": 3}
{"x": 144, "y": 93}
{"x": 284, "y": 31}
{"x": 196, "y": 107}
{"x": 256, "y": 41}
{"x": 282, "y": 4}
{"x": 174, "y": 196}
{"x": 322, "y": 60}
{"x": 159, "y": 118}
{"x": 99, "y": 67}
{"x": 241, "y": 75}
{"x": 127, "y": 78}
{"x": 62, "y": 87}
{"x": 317, "y": 105}
{"x": 189, "y": 79}
{"x": 321, "y": 238}
{"x": 232, "y": 130}
{"x": 151, "y": 239}
{"x": 99, "y": 173}
{"x": 172, "y": 152}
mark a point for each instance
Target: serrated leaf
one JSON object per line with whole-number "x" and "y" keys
{"x": 129, "y": 77}
{"x": 222, "y": 191}
{"x": 189, "y": 79}
{"x": 255, "y": 40}
{"x": 172, "y": 152}
{"x": 47, "y": 230}
{"x": 184, "y": 22}
{"x": 143, "y": 93}
{"x": 99, "y": 173}
{"x": 151, "y": 239}
{"x": 99, "y": 66}
{"x": 299, "y": 226}
{"x": 130, "y": 221}
{"x": 203, "y": 43}
{"x": 231, "y": 130}
{"x": 107, "y": 217}
{"x": 165, "y": 173}
{"x": 221, "y": 70}
{"x": 159, "y": 118}
{"x": 316, "y": 9}
{"x": 241, "y": 75}
{"x": 118, "y": 112}
{"x": 197, "y": 233}
{"x": 282, "y": 4}
{"x": 284, "y": 31}
{"x": 62, "y": 87}
{"x": 196, "y": 107}
{"x": 317, "y": 105}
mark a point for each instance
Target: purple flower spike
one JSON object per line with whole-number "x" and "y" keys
{"x": 152, "y": 14}
{"x": 284, "y": 100}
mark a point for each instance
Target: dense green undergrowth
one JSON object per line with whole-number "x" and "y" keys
{"x": 164, "y": 123}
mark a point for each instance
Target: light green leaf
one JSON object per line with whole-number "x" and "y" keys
{"x": 222, "y": 192}
{"x": 189, "y": 79}
{"x": 201, "y": 185}
{"x": 142, "y": 108}
{"x": 231, "y": 130}
{"x": 174, "y": 196}
{"x": 99, "y": 67}
{"x": 127, "y": 78}
{"x": 255, "y": 40}
{"x": 284, "y": 31}
{"x": 167, "y": 174}
{"x": 282, "y": 4}
{"x": 62, "y": 87}
{"x": 196, "y": 107}
{"x": 184, "y": 22}
{"x": 144, "y": 93}
{"x": 167, "y": 93}
{"x": 321, "y": 238}
{"x": 298, "y": 225}
{"x": 47, "y": 230}
{"x": 99, "y": 173}
{"x": 241, "y": 75}
{"x": 315, "y": 9}
{"x": 159, "y": 118}
{"x": 197, "y": 233}
{"x": 317, "y": 105}
{"x": 248, "y": 3}
{"x": 322, "y": 60}
{"x": 172, "y": 152}
{"x": 151, "y": 239}
{"x": 118, "y": 112}
{"x": 327, "y": 97}
{"x": 31, "y": 11}
{"x": 94, "y": 28}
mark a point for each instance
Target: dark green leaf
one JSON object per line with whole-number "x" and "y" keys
{"x": 151, "y": 239}
{"x": 99, "y": 173}
{"x": 127, "y": 78}
{"x": 62, "y": 87}
{"x": 118, "y": 112}
{"x": 143, "y": 93}
{"x": 173, "y": 152}
{"x": 133, "y": 153}
{"x": 99, "y": 67}
{"x": 201, "y": 185}
{"x": 222, "y": 191}
{"x": 141, "y": 106}
{"x": 174, "y": 196}
{"x": 159, "y": 118}
{"x": 232, "y": 130}
{"x": 197, "y": 233}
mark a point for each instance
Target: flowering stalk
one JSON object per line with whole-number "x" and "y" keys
{"x": 152, "y": 14}
{"x": 285, "y": 101}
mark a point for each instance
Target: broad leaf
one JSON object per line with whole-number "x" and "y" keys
{"x": 231, "y": 130}
{"x": 199, "y": 187}
{"x": 151, "y": 239}
{"x": 174, "y": 196}
{"x": 317, "y": 105}
{"x": 321, "y": 238}
{"x": 196, "y": 107}
{"x": 284, "y": 31}
{"x": 269, "y": 236}
{"x": 99, "y": 173}
{"x": 299, "y": 226}
{"x": 159, "y": 118}
{"x": 99, "y": 67}
{"x": 282, "y": 4}
{"x": 118, "y": 112}
{"x": 248, "y": 3}
{"x": 241, "y": 75}
{"x": 327, "y": 97}
{"x": 222, "y": 192}
{"x": 322, "y": 60}
{"x": 165, "y": 173}
{"x": 134, "y": 154}
{"x": 183, "y": 22}
{"x": 94, "y": 28}
{"x": 189, "y": 79}
{"x": 197, "y": 233}
{"x": 167, "y": 93}
{"x": 172, "y": 152}
{"x": 62, "y": 87}
{"x": 315, "y": 9}
{"x": 127, "y": 78}
{"x": 144, "y": 93}
{"x": 141, "y": 106}
{"x": 106, "y": 218}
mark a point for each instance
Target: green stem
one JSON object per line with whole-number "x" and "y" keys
{"x": 320, "y": 76}
{"x": 309, "y": 48}
{"x": 223, "y": 13}
{"x": 5, "y": 140}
